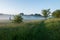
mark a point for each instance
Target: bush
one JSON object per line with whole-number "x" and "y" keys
{"x": 56, "y": 14}
{"x": 17, "y": 19}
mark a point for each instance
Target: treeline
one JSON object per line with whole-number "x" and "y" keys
{"x": 55, "y": 14}
{"x": 45, "y": 13}
{"x": 36, "y": 14}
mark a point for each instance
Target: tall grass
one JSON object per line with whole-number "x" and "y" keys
{"x": 42, "y": 30}
{"x": 53, "y": 28}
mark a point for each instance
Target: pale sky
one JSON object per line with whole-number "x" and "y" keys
{"x": 27, "y": 6}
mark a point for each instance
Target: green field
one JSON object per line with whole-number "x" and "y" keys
{"x": 33, "y": 30}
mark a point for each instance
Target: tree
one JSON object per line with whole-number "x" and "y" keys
{"x": 21, "y": 13}
{"x": 56, "y": 14}
{"x": 46, "y": 13}
{"x": 18, "y": 19}
{"x": 37, "y": 14}
{"x": 31, "y": 14}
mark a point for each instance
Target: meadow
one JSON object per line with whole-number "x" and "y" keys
{"x": 35, "y": 30}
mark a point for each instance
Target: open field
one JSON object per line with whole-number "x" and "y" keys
{"x": 38, "y": 30}
{"x": 9, "y": 23}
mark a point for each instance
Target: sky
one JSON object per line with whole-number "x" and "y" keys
{"x": 27, "y": 6}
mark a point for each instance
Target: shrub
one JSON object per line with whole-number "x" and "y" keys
{"x": 17, "y": 19}
{"x": 56, "y": 14}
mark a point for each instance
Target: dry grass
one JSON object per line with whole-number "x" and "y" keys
{"x": 10, "y": 24}
{"x": 53, "y": 20}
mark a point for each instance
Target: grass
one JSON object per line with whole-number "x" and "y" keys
{"x": 34, "y": 30}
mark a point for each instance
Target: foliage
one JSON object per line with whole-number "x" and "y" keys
{"x": 21, "y": 13}
{"x": 18, "y": 19}
{"x": 56, "y": 14}
{"x": 37, "y": 14}
{"x": 46, "y": 13}
{"x": 43, "y": 30}
{"x": 53, "y": 29}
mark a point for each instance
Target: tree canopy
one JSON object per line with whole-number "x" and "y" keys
{"x": 56, "y": 14}
{"x": 18, "y": 19}
{"x": 46, "y": 12}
